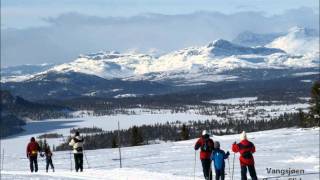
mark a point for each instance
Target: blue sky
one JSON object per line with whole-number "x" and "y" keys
{"x": 57, "y": 31}
{"x": 30, "y": 13}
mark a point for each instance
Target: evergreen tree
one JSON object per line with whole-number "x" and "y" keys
{"x": 314, "y": 119}
{"x": 114, "y": 143}
{"x": 136, "y": 137}
{"x": 184, "y": 132}
{"x": 302, "y": 119}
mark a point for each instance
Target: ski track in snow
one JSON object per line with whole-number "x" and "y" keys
{"x": 280, "y": 149}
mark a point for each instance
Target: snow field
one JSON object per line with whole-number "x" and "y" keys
{"x": 278, "y": 149}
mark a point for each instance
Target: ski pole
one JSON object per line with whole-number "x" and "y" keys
{"x": 210, "y": 171}
{"x": 234, "y": 156}
{"x": 229, "y": 167}
{"x": 2, "y": 162}
{"x": 70, "y": 152}
{"x": 70, "y": 157}
{"x": 2, "y": 159}
{"x": 85, "y": 156}
{"x": 119, "y": 139}
{"x": 194, "y": 167}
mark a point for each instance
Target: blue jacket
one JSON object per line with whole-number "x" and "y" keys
{"x": 218, "y": 156}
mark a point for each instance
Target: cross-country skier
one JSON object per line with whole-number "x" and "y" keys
{"x": 48, "y": 154}
{"x": 246, "y": 149}
{"x": 206, "y": 146}
{"x": 32, "y": 154}
{"x": 218, "y": 156}
{"x": 77, "y": 145}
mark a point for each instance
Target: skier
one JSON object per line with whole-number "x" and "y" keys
{"x": 218, "y": 156}
{"x": 48, "y": 154}
{"x": 206, "y": 146}
{"x": 32, "y": 154}
{"x": 77, "y": 145}
{"x": 245, "y": 148}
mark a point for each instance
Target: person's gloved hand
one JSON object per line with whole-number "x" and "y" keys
{"x": 41, "y": 154}
{"x": 228, "y": 153}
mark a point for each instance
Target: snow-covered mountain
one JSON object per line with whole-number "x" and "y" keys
{"x": 297, "y": 49}
{"x": 22, "y": 72}
{"x": 299, "y": 41}
{"x": 220, "y": 60}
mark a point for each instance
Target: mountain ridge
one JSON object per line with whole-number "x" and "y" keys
{"x": 292, "y": 50}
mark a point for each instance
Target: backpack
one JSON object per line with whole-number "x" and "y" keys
{"x": 218, "y": 158}
{"x": 247, "y": 155}
{"x": 205, "y": 147}
{"x": 33, "y": 149}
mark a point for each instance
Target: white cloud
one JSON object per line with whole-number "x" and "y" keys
{"x": 69, "y": 35}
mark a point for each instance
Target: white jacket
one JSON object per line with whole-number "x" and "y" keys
{"x": 77, "y": 144}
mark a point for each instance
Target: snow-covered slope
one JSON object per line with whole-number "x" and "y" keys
{"x": 22, "y": 72}
{"x": 302, "y": 43}
{"x": 298, "y": 41}
{"x": 108, "y": 64}
{"x": 277, "y": 149}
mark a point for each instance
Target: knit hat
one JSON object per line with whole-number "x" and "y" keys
{"x": 32, "y": 139}
{"x": 205, "y": 132}
{"x": 243, "y": 135}
{"x": 216, "y": 144}
{"x": 77, "y": 133}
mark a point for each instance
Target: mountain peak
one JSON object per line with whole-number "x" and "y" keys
{"x": 220, "y": 43}
{"x": 298, "y": 41}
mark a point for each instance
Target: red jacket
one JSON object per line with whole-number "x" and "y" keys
{"x": 206, "y": 145}
{"x": 32, "y": 149}
{"x": 245, "y": 148}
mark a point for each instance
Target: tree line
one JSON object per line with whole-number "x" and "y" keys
{"x": 176, "y": 131}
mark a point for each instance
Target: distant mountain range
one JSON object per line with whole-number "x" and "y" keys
{"x": 114, "y": 74}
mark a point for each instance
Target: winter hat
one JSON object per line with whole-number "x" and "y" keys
{"x": 243, "y": 135}
{"x": 216, "y": 144}
{"x": 205, "y": 132}
{"x": 32, "y": 139}
{"x": 77, "y": 133}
